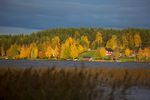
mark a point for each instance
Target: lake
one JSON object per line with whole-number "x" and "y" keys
{"x": 71, "y": 64}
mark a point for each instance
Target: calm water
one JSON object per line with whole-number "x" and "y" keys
{"x": 89, "y": 64}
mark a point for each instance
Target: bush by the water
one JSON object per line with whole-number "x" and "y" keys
{"x": 69, "y": 84}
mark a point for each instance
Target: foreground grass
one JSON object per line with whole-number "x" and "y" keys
{"x": 69, "y": 84}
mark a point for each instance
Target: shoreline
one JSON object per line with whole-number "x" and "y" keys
{"x": 81, "y": 60}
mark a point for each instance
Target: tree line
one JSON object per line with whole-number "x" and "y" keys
{"x": 68, "y": 43}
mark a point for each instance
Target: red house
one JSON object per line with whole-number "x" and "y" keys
{"x": 109, "y": 51}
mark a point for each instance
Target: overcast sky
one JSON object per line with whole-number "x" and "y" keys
{"x": 26, "y": 16}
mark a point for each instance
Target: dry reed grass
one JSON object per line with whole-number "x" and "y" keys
{"x": 68, "y": 84}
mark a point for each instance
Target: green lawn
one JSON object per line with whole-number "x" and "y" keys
{"x": 92, "y": 54}
{"x": 127, "y": 59}
{"x": 87, "y": 54}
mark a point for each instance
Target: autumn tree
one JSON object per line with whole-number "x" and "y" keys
{"x": 147, "y": 52}
{"x": 55, "y": 42}
{"x": 119, "y": 45}
{"x": 116, "y": 53}
{"x": 28, "y": 51}
{"x": 131, "y": 39}
{"x": 65, "y": 51}
{"x": 93, "y": 45}
{"x": 125, "y": 41}
{"x": 73, "y": 51}
{"x": 140, "y": 53}
{"x": 44, "y": 45}
{"x": 8, "y": 52}
{"x": 45, "y": 48}
{"x": 49, "y": 52}
{"x": 34, "y": 50}
{"x": 127, "y": 52}
{"x": 100, "y": 53}
{"x": 85, "y": 42}
{"x": 2, "y": 50}
{"x": 66, "y": 48}
{"x": 12, "y": 51}
{"x": 112, "y": 43}
{"x": 99, "y": 38}
{"x": 69, "y": 41}
{"x": 56, "y": 52}
{"x": 23, "y": 52}
{"x": 80, "y": 49}
{"x": 137, "y": 40}
{"x": 42, "y": 54}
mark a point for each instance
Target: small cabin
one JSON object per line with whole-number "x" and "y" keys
{"x": 109, "y": 51}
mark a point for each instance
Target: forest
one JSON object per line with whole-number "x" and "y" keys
{"x": 69, "y": 43}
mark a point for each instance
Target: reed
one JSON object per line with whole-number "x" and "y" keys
{"x": 69, "y": 83}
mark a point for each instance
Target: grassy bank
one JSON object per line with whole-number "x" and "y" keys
{"x": 69, "y": 84}
{"x": 87, "y": 54}
{"x": 108, "y": 58}
{"x": 91, "y": 54}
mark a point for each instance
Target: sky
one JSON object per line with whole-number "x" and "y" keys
{"x": 26, "y": 16}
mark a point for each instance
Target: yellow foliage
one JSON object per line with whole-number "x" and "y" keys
{"x": 28, "y": 51}
{"x": 125, "y": 42}
{"x": 140, "y": 53}
{"x": 103, "y": 52}
{"x": 35, "y": 53}
{"x": 80, "y": 49}
{"x": 74, "y": 51}
{"x": 112, "y": 43}
{"x": 65, "y": 51}
{"x": 2, "y": 50}
{"x": 12, "y": 51}
{"x": 147, "y": 52}
{"x": 19, "y": 48}
{"x": 100, "y": 53}
{"x": 25, "y": 52}
{"x": 127, "y": 52}
{"x": 56, "y": 52}
{"x": 44, "y": 46}
{"x": 121, "y": 46}
{"x": 108, "y": 44}
{"x": 137, "y": 40}
{"x": 131, "y": 40}
{"x": 34, "y": 50}
{"x": 93, "y": 45}
{"x": 99, "y": 38}
{"x": 8, "y": 52}
{"x": 22, "y": 52}
{"x": 116, "y": 53}
{"x": 55, "y": 42}
{"x": 69, "y": 49}
{"x": 49, "y": 52}
{"x": 85, "y": 41}
{"x": 69, "y": 41}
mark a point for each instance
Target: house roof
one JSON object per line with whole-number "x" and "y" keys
{"x": 108, "y": 49}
